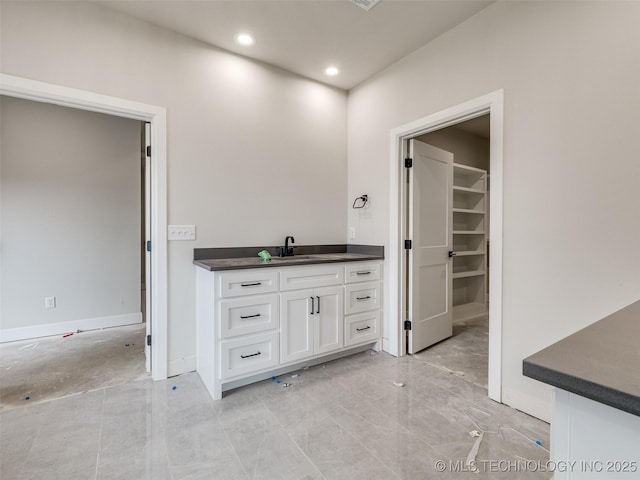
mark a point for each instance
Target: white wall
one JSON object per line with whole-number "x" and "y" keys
{"x": 70, "y": 198}
{"x": 254, "y": 153}
{"x": 571, "y": 78}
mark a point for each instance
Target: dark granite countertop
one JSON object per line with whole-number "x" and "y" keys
{"x": 214, "y": 259}
{"x": 600, "y": 362}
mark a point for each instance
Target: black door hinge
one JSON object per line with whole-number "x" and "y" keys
{"x": 407, "y": 324}
{"x": 148, "y": 245}
{"x": 408, "y": 162}
{"x": 148, "y": 150}
{"x": 149, "y": 340}
{"x": 407, "y": 245}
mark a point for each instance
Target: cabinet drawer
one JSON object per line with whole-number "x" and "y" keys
{"x": 362, "y": 272}
{"x": 245, "y": 315}
{"x": 248, "y": 283}
{"x": 362, "y": 297}
{"x": 361, "y": 328}
{"x": 245, "y": 355}
{"x": 311, "y": 277}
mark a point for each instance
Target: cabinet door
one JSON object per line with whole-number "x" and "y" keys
{"x": 296, "y": 325}
{"x": 328, "y": 319}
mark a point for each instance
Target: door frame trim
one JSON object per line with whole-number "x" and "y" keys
{"x": 492, "y": 103}
{"x": 28, "y": 89}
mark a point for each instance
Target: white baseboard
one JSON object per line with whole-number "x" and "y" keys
{"x": 46, "y": 330}
{"x": 181, "y": 365}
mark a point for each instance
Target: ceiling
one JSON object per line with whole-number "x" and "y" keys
{"x": 306, "y": 36}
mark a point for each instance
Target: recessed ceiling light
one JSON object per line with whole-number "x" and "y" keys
{"x": 245, "y": 39}
{"x": 332, "y": 71}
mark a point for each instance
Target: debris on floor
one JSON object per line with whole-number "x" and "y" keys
{"x": 398, "y": 384}
{"x": 67, "y": 335}
{"x": 285, "y": 385}
{"x": 295, "y": 375}
{"x": 27, "y": 397}
{"x": 174, "y": 387}
{"x": 471, "y": 458}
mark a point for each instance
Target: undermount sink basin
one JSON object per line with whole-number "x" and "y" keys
{"x": 296, "y": 257}
{"x": 300, "y": 258}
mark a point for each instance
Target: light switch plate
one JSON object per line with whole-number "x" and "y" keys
{"x": 182, "y": 232}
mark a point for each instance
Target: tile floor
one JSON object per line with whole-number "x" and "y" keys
{"x": 48, "y": 368}
{"x": 342, "y": 420}
{"x": 466, "y": 353}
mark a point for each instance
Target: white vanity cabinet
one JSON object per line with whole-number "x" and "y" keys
{"x": 258, "y": 322}
{"x": 363, "y": 294}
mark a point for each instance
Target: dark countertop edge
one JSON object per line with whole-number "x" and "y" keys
{"x": 249, "y": 252}
{"x": 594, "y": 391}
{"x": 600, "y": 362}
{"x": 200, "y": 263}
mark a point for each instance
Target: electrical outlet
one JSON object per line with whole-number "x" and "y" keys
{"x": 352, "y": 232}
{"x": 182, "y": 232}
{"x": 49, "y": 302}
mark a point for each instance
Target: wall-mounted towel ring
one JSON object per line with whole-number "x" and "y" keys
{"x": 363, "y": 199}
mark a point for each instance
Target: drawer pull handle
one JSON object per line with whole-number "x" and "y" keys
{"x": 312, "y": 302}
{"x": 364, "y": 298}
{"x": 249, "y": 316}
{"x": 363, "y": 328}
{"x": 250, "y": 284}
{"x": 364, "y": 273}
{"x": 251, "y": 355}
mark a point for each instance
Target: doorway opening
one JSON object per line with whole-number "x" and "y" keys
{"x": 73, "y": 276}
{"x": 471, "y": 299}
{"x": 155, "y": 193}
{"x": 456, "y": 339}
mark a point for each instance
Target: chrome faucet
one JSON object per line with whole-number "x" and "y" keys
{"x": 286, "y": 251}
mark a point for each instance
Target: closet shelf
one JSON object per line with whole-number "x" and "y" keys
{"x": 468, "y": 253}
{"x": 472, "y": 273}
{"x": 467, "y": 210}
{"x": 457, "y": 188}
{"x": 469, "y": 170}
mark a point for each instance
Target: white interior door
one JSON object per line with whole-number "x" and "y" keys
{"x": 430, "y": 299}
{"x": 147, "y": 253}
